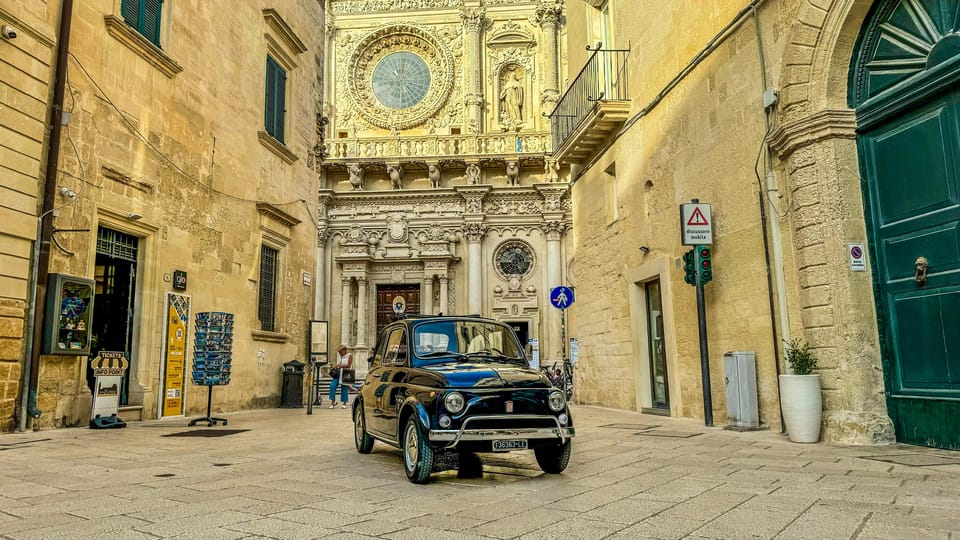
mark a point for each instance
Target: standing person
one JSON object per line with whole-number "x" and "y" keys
{"x": 344, "y": 361}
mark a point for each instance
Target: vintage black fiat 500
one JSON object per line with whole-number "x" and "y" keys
{"x": 442, "y": 388}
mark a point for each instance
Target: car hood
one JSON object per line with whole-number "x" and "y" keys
{"x": 481, "y": 375}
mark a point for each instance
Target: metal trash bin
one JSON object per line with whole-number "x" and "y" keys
{"x": 291, "y": 390}
{"x": 740, "y": 376}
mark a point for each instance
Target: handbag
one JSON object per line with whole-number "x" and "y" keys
{"x": 334, "y": 372}
{"x": 349, "y": 376}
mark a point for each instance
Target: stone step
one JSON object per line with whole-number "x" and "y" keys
{"x": 130, "y": 413}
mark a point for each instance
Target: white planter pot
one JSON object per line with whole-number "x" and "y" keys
{"x": 802, "y": 407}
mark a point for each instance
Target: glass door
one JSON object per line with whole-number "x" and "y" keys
{"x": 659, "y": 387}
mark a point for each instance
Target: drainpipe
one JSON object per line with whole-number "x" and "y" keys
{"x": 42, "y": 246}
{"x": 768, "y": 190}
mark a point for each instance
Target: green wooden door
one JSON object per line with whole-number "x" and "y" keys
{"x": 909, "y": 123}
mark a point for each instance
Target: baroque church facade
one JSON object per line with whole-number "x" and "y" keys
{"x": 437, "y": 186}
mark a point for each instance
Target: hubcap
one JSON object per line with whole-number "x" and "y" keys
{"x": 358, "y": 427}
{"x": 412, "y": 447}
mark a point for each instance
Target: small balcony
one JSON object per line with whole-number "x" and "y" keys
{"x": 594, "y": 107}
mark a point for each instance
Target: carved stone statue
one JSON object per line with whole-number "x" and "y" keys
{"x": 511, "y": 98}
{"x": 433, "y": 172}
{"x": 356, "y": 176}
{"x": 513, "y": 173}
{"x": 396, "y": 175}
{"x": 473, "y": 174}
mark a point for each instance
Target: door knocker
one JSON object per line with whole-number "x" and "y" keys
{"x": 920, "y": 273}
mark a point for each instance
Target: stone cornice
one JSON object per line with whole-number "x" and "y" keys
{"x": 826, "y": 124}
{"x": 277, "y": 147}
{"x": 280, "y": 28}
{"x": 124, "y": 33}
{"x": 271, "y": 211}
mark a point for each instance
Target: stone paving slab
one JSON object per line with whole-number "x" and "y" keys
{"x": 631, "y": 476}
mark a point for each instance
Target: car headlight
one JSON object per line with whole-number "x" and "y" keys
{"x": 445, "y": 421}
{"x": 556, "y": 401}
{"x": 454, "y": 402}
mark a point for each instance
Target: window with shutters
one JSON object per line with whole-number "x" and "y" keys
{"x": 144, "y": 16}
{"x": 276, "y": 102}
{"x": 267, "y": 299}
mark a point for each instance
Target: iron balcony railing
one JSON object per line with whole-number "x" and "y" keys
{"x": 603, "y": 78}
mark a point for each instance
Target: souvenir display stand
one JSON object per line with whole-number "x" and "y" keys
{"x": 212, "y": 347}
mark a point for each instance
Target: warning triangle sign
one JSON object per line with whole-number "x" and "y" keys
{"x": 697, "y": 218}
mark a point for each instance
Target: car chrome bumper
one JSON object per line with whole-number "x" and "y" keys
{"x": 455, "y": 436}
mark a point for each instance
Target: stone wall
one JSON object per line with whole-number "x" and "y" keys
{"x": 26, "y": 71}
{"x": 176, "y": 135}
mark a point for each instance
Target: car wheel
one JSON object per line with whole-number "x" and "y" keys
{"x": 361, "y": 438}
{"x": 417, "y": 453}
{"x": 554, "y": 459}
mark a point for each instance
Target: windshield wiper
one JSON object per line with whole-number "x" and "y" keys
{"x": 443, "y": 354}
{"x": 494, "y": 354}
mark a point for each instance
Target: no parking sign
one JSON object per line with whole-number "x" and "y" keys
{"x": 858, "y": 257}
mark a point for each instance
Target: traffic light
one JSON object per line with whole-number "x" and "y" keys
{"x": 689, "y": 268}
{"x": 705, "y": 264}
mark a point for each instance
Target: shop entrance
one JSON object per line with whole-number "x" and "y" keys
{"x": 659, "y": 385}
{"x": 113, "y": 319}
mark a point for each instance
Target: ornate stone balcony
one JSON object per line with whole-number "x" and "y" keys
{"x": 526, "y": 147}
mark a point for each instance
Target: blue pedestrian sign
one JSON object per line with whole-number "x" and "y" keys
{"x": 561, "y": 297}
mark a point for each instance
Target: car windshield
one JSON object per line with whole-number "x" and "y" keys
{"x": 481, "y": 341}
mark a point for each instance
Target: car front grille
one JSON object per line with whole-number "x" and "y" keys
{"x": 511, "y": 423}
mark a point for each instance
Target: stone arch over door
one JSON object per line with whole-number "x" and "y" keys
{"x": 818, "y": 168}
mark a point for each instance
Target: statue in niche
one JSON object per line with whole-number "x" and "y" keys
{"x": 433, "y": 172}
{"x": 511, "y": 98}
{"x": 356, "y": 176}
{"x": 396, "y": 175}
{"x": 473, "y": 174}
{"x": 513, "y": 173}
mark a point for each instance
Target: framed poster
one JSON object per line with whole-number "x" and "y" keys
{"x": 319, "y": 334}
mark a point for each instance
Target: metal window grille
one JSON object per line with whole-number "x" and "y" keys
{"x": 117, "y": 244}
{"x": 266, "y": 303}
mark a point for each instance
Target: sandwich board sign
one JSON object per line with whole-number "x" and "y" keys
{"x": 696, "y": 224}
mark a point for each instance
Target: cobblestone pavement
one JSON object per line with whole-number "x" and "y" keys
{"x": 288, "y": 475}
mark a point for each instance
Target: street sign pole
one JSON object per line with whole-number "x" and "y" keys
{"x": 563, "y": 332}
{"x": 704, "y": 353}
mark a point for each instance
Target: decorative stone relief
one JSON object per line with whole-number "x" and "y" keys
{"x": 387, "y": 40}
{"x": 474, "y": 18}
{"x": 513, "y": 173}
{"x": 548, "y": 11}
{"x": 473, "y": 178}
{"x": 514, "y": 206}
{"x": 356, "y": 176}
{"x": 395, "y": 172}
{"x": 354, "y": 7}
{"x": 474, "y": 232}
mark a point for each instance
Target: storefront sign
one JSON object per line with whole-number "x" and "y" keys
{"x": 175, "y": 349}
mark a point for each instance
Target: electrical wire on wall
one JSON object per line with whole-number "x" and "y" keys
{"x": 163, "y": 156}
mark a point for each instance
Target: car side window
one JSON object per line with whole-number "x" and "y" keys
{"x": 396, "y": 352}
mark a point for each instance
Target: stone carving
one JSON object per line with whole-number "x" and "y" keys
{"x": 356, "y": 176}
{"x": 473, "y": 19}
{"x": 351, "y": 7}
{"x": 548, "y": 12}
{"x": 511, "y": 97}
{"x": 433, "y": 172}
{"x": 514, "y": 206}
{"x": 392, "y": 38}
{"x": 474, "y": 232}
{"x": 551, "y": 169}
{"x": 513, "y": 173}
{"x": 397, "y": 228}
{"x": 473, "y": 174}
{"x": 395, "y": 172}
{"x": 553, "y": 229}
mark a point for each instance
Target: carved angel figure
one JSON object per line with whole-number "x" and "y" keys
{"x": 473, "y": 174}
{"x": 356, "y": 176}
{"x": 396, "y": 175}
{"x": 513, "y": 173}
{"x": 433, "y": 172}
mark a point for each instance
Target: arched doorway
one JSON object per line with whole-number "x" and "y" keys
{"x": 905, "y": 87}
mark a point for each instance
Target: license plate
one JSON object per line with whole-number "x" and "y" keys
{"x": 506, "y": 446}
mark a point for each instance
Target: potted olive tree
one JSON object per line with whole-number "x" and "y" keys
{"x": 800, "y": 398}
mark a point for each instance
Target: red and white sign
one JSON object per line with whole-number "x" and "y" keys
{"x": 696, "y": 224}
{"x": 858, "y": 257}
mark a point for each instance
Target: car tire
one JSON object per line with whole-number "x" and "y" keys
{"x": 417, "y": 453}
{"x": 361, "y": 438}
{"x": 554, "y": 459}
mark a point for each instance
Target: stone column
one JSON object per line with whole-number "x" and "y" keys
{"x": 426, "y": 301}
{"x": 345, "y": 311}
{"x": 548, "y": 17}
{"x": 474, "y": 233}
{"x": 444, "y": 298}
{"x": 361, "y": 313}
{"x": 319, "y": 278}
{"x": 474, "y": 20}
{"x": 553, "y": 231}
